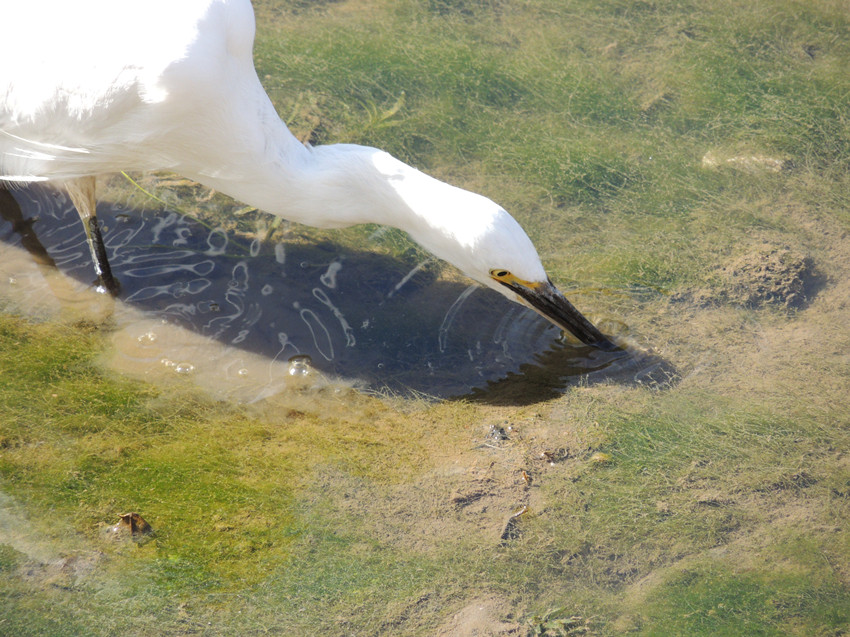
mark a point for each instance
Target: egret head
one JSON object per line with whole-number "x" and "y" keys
{"x": 510, "y": 265}
{"x": 480, "y": 238}
{"x": 487, "y": 244}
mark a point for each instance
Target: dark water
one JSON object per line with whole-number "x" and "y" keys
{"x": 360, "y": 315}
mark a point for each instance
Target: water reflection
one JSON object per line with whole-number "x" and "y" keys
{"x": 391, "y": 325}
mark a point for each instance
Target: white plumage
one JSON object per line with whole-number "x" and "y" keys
{"x": 97, "y": 86}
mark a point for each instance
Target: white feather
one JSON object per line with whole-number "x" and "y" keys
{"x": 104, "y": 85}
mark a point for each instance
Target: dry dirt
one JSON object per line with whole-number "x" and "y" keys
{"x": 482, "y": 617}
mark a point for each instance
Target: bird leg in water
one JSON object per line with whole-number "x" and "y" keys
{"x": 10, "y": 211}
{"x": 82, "y": 193}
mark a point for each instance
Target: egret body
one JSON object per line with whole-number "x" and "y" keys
{"x": 97, "y": 86}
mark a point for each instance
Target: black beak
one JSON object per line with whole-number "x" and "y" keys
{"x": 547, "y": 301}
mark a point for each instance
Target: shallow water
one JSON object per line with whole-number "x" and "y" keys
{"x": 199, "y": 301}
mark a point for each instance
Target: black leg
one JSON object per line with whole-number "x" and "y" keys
{"x": 11, "y": 212}
{"x": 98, "y": 255}
{"x": 82, "y": 193}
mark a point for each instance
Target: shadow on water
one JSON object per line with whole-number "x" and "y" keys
{"x": 357, "y": 314}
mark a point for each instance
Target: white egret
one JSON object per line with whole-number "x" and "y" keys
{"x": 97, "y": 86}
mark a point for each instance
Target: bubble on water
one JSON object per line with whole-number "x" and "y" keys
{"x": 242, "y": 372}
{"x": 147, "y": 337}
{"x": 184, "y": 368}
{"x": 300, "y": 365}
{"x": 167, "y": 362}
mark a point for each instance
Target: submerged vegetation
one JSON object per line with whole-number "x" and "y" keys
{"x": 656, "y": 153}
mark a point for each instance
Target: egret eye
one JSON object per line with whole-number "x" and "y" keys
{"x": 499, "y": 274}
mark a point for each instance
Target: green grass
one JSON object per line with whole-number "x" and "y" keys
{"x": 583, "y": 110}
{"x": 722, "y": 507}
{"x": 74, "y": 437}
{"x": 802, "y": 595}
